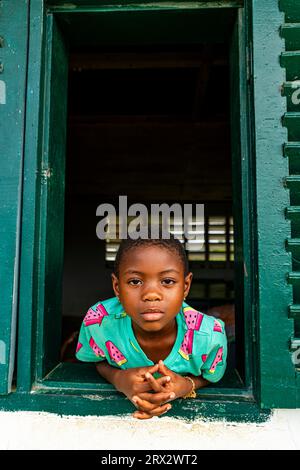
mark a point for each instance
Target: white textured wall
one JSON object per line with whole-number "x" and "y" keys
{"x": 27, "y": 430}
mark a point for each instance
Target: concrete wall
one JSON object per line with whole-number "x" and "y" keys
{"x": 28, "y": 430}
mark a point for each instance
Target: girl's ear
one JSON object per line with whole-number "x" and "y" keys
{"x": 115, "y": 284}
{"x": 187, "y": 284}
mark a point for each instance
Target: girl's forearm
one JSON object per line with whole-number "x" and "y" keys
{"x": 108, "y": 372}
{"x": 200, "y": 382}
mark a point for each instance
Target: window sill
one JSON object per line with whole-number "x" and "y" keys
{"x": 76, "y": 389}
{"x": 115, "y": 404}
{"x": 84, "y": 393}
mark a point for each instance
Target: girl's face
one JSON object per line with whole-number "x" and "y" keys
{"x": 151, "y": 286}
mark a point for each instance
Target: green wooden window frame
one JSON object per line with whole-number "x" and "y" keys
{"x": 40, "y": 387}
{"x": 50, "y": 373}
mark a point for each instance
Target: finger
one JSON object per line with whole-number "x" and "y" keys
{"x": 156, "y": 412}
{"x": 134, "y": 402}
{"x": 152, "y": 369}
{"x": 142, "y": 387}
{"x": 146, "y": 386}
{"x": 143, "y": 405}
{"x": 161, "y": 410}
{"x": 155, "y": 385}
{"x": 141, "y": 415}
{"x": 163, "y": 369}
{"x": 164, "y": 380}
{"x": 150, "y": 408}
{"x": 140, "y": 376}
{"x": 157, "y": 398}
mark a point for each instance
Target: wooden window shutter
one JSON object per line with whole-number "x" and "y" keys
{"x": 52, "y": 198}
{"x": 13, "y": 63}
{"x": 290, "y": 60}
{"x": 277, "y": 192}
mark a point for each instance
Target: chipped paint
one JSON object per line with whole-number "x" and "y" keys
{"x": 70, "y": 6}
{"x": 295, "y": 84}
{"x": 296, "y": 96}
{"x": 96, "y": 397}
{"x": 2, "y": 92}
{"x": 2, "y": 352}
{"x": 46, "y": 174}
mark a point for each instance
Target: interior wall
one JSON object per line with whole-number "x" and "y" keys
{"x": 86, "y": 279}
{"x": 164, "y": 137}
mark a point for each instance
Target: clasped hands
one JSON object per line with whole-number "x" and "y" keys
{"x": 151, "y": 396}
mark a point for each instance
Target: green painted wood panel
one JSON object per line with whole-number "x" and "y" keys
{"x": 243, "y": 203}
{"x": 292, "y": 150}
{"x": 292, "y": 122}
{"x": 291, "y": 33}
{"x": 291, "y": 8}
{"x": 114, "y": 404}
{"x": 43, "y": 211}
{"x": 293, "y": 212}
{"x": 31, "y": 200}
{"x": 277, "y": 371}
{"x": 13, "y": 61}
{"x": 52, "y": 189}
{"x": 290, "y": 59}
{"x": 94, "y": 5}
{"x": 294, "y": 311}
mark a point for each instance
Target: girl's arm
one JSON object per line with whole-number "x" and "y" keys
{"x": 199, "y": 381}
{"x": 108, "y": 372}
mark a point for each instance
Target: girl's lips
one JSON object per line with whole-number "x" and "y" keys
{"x": 152, "y": 316}
{"x": 153, "y": 309}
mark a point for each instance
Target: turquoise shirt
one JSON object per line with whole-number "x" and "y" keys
{"x": 200, "y": 347}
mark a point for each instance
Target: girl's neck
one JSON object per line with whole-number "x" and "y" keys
{"x": 157, "y": 345}
{"x": 169, "y": 331}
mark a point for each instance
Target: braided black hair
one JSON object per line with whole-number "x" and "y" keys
{"x": 171, "y": 244}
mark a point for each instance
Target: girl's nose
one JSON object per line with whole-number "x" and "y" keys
{"x": 151, "y": 296}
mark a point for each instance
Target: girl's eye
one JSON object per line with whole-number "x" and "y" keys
{"x": 134, "y": 282}
{"x": 168, "y": 282}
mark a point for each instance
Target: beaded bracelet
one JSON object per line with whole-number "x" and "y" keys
{"x": 192, "y": 393}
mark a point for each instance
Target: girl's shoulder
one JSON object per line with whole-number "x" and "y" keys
{"x": 112, "y": 305}
{"x": 107, "y": 309}
{"x": 202, "y": 322}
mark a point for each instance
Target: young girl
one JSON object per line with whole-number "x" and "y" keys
{"x": 147, "y": 341}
